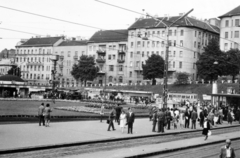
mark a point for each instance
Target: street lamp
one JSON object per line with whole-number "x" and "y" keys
{"x": 54, "y": 58}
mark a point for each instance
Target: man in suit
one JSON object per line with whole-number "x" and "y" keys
{"x": 40, "y": 114}
{"x": 130, "y": 120}
{"x": 194, "y": 117}
{"x": 161, "y": 119}
{"x": 201, "y": 118}
{"x": 154, "y": 119}
{"x": 187, "y": 117}
{"x": 168, "y": 117}
{"x": 118, "y": 110}
{"x": 111, "y": 118}
{"x": 227, "y": 151}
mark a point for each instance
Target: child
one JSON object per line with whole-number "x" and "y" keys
{"x": 175, "y": 121}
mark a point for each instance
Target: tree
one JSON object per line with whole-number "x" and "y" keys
{"x": 16, "y": 71}
{"x": 233, "y": 63}
{"x": 154, "y": 68}
{"x": 207, "y": 70}
{"x": 85, "y": 69}
{"x": 182, "y": 78}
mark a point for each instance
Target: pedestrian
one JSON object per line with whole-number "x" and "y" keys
{"x": 227, "y": 151}
{"x": 201, "y": 119}
{"x": 101, "y": 112}
{"x": 229, "y": 117}
{"x": 168, "y": 117}
{"x": 40, "y": 114}
{"x": 123, "y": 120}
{"x": 206, "y": 128}
{"x": 181, "y": 119}
{"x": 118, "y": 110}
{"x": 194, "y": 117}
{"x": 130, "y": 120}
{"x": 187, "y": 117}
{"x": 154, "y": 120}
{"x": 47, "y": 112}
{"x": 174, "y": 120}
{"x": 161, "y": 120}
{"x": 110, "y": 119}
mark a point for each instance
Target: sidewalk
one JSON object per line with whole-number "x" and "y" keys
{"x": 16, "y": 136}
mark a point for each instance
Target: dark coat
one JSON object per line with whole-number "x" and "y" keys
{"x": 223, "y": 153}
{"x": 161, "y": 116}
{"x": 130, "y": 118}
{"x": 194, "y": 115}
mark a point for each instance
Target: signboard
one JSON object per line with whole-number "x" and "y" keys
{"x": 206, "y": 97}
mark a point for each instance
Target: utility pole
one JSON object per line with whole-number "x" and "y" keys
{"x": 165, "y": 87}
{"x": 54, "y": 71}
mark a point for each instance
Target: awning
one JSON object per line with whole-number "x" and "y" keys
{"x": 226, "y": 95}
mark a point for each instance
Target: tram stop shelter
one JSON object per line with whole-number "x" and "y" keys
{"x": 232, "y": 100}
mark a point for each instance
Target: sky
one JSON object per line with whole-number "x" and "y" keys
{"x": 92, "y": 13}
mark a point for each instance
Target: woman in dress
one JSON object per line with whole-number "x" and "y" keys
{"x": 101, "y": 112}
{"x": 47, "y": 112}
{"x": 181, "y": 119}
{"x": 123, "y": 120}
{"x": 206, "y": 128}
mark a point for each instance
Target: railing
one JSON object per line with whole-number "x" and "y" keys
{"x": 101, "y": 51}
{"x": 121, "y": 60}
{"x": 35, "y": 63}
{"x": 100, "y": 60}
{"x": 122, "y": 51}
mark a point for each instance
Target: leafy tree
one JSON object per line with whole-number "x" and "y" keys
{"x": 85, "y": 69}
{"x": 207, "y": 69}
{"x": 182, "y": 78}
{"x": 233, "y": 63}
{"x": 16, "y": 71}
{"x": 154, "y": 68}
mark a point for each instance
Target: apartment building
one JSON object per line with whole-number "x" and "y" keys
{"x": 187, "y": 38}
{"x": 34, "y": 59}
{"x": 109, "y": 48}
{"x": 69, "y": 52}
{"x": 230, "y": 28}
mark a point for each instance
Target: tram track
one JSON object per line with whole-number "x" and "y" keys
{"x": 111, "y": 144}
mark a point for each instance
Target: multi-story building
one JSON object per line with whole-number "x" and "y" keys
{"x": 69, "y": 52}
{"x": 34, "y": 59}
{"x": 187, "y": 39}
{"x": 109, "y": 48}
{"x": 10, "y": 54}
{"x": 230, "y": 29}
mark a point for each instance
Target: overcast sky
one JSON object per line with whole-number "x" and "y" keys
{"x": 90, "y": 12}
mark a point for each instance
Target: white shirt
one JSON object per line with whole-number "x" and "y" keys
{"x": 205, "y": 124}
{"x": 228, "y": 152}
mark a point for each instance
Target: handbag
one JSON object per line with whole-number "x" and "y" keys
{"x": 108, "y": 121}
{"x": 209, "y": 133}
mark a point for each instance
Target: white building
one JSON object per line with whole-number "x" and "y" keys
{"x": 230, "y": 29}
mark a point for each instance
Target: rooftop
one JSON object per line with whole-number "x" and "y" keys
{"x": 74, "y": 43}
{"x": 185, "y": 22}
{"x": 11, "y": 78}
{"x": 235, "y": 11}
{"x": 44, "y": 41}
{"x": 109, "y": 36}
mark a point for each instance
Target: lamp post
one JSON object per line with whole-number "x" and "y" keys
{"x": 165, "y": 87}
{"x": 54, "y": 58}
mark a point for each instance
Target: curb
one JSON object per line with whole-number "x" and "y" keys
{"x": 180, "y": 148}
{"x": 53, "y": 146}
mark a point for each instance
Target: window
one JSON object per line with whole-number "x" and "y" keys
{"x": 175, "y": 32}
{"x": 131, "y": 64}
{"x": 114, "y": 56}
{"x": 138, "y": 64}
{"x": 131, "y": 54}
{"x": 110, "y": 79}
{"x": 162, "y": 53}
{"x": 109, "y": 57}
{"x": 180, "y": 64}
{"x": 69, "y": 54}
{"x": 237, "y": 22}
{"x": 225, "y": 46}
{"x": 195, "y": 33}
{"x": 130, "y": 74}
{"x": 138, "y": 52}
{"x": 174, "y": 43}
{"x": 142, "y": 54}
{"x": 236, "y": 34}
{"x": 182, "y": 32}
{"x": 170, "y": 33}
{"x": 138, "y": 43}
{"x": 181, "y": 43}
{"x": 120, "y": 79}
{"x": 143, "y": 43}
{"x": 153, "y": 43}
{"x": 42, "y": 68}
{"x": 226, "y": 23}
{"x": 173, "y": 64}
{"x": 226, "y": 34}
{"x": 148, "y": 44}
{"x": 195, "y": 44}
{"x": 158, "y": 43}
{"x": 158, "y": 33}
{"x": 131, "y": 44}
{"x": 111, "y": 68}
{"x": 148, "y": 54}
{"x": 162, "y": 43}
{"x": 94, "y": 48}
{"x": 163, "y": 33}
{"x": 120, "y": 67}
{"x": 194, "y": 54}
{"x": 174, "y": 53}
{"x": 194, "y": 66}
{"x": 132, "y": 34}
{"x": 180, "y": 54}
{"x": 157, "y": 52}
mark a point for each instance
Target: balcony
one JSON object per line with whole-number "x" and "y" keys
{"x": 34, "y": 64}
{"x": 75, "y": 57}
{"x": 121, "y": 60}
{"x": 138, "y": 69}
{"x": 103, "y": 52}
{"x": 100, "y": 60}
{"x": 61, "y": 57}
{"x": 122, "y": 51}
{"x": 101, "y": 72}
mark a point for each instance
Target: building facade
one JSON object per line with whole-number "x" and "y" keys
{"x": 34, "y": 59}
{"x": 109, "y": 48}
{"x": 69, "y": 52}
{"x": 187, "y": 38}
{"x": 230, "y": 29}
